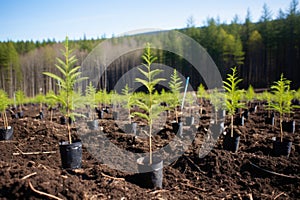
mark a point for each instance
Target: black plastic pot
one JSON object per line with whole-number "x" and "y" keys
{"x": 282, "y": 148}
{"x": 63, "y": 120}
{"x": 100, "y": 114}
{"x": 6, "y": 134}
{"x": 151, "y": 176}
{"x": 231, "y": 143}
{"x": 15, "y": 116}
{"x": 20, "y": 114}
{"x": 93, "y": 125}
{"x": 107, "y": 110}
{"x": 71, "y": 154}
{"x": 177, "y": 128}
{"x": 189, "y": 121}
{"x": 131, "y": 128}
{"x": 115, "y": 115}
{"x": 246, "y": 114}
{"x": 253, "y": 109}
{"x": 288, "y": 126}
{"x": 217, "y": 129}
{"x": 40, "y": 115}
{"x": 239, "y": 121}
{"x": 270, "y": 120}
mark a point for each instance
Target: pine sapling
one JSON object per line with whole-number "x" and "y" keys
{"x": 282, "y": 100}
{"x": 232, "y": 95}
{"x": 174, "y": 99}
{"x": 150, "y": 105}
{"x": 4, "y": 103}
{"x": 70, "y": 76}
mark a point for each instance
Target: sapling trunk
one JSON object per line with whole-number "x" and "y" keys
{"x": 51, "y": 113}
{"x": 281, "y": 131}
{"x": 67, "y": 119}
{"x": 150, "y": 143}
{"x": 5, "y": 121}
{"x": 231, "y": 126}
{"x": 176, "y": 115}
{"x": 233, "y": 98}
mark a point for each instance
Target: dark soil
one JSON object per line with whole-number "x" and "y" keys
{"x": 219, "y": 175}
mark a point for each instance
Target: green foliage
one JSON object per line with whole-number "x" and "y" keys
{"x": 201, "y": 92}
{"x": 151, "y": 104}
{"x": 49, "y": 99}
{"x": 67, "y": 97}
{"x": 4, "y": 103}
{"x": 115, "y": 99}
{"x": 90, "y": 98}
{"x": 40, "y": 98}
{"x": 174, "y": 97}
{"x": 20, "y": 98}
{"x": 102, "y": 97}
{"x": 297, "y": 94}
{"x": 128, "y": 99}
{"x": 233, "y": 95}
{"x": 283, "y": 96}
{"x": 265, "y": 96}
{"x": 282, "y": 99}
{"x": 217, "y": 99}
{"x": 190, "y": 99}
{"x": 175, "y": 83}
{"x": 90, "y": 95}
{"x": 250, "y": 94}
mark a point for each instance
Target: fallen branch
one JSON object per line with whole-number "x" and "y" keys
{"x": 29, "y": 175}
{"x": 193, "y": 187}
{"x": 272, "y": 172}
{"x": 43, "y": 193}
{"x": 115, "y": 178}
{"x": 195, "y": 165}
{"x": 158, "y": 191}
{"x": 279, "y": 195}
{"x": 8, "y": 141}
{"x": 34, "y": 153}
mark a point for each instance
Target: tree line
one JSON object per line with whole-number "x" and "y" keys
{"x": 261, "y": 51}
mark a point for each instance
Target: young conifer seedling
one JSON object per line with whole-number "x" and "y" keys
{"x": 150, "y": 105}
{"x": 67, "y": 97}
{"x": 232, "y": 95}
{"x": 217, "y": 99}
{"x": 51, "y": 102}
{"x": 282, "y": 100}
{"x": 128, "y": 100}
{"x": 174, "y": 99}
{"x": 4, "y": 103}
{"x": 201, "y": 94}
{"x": 91, "y": 100}
{"x": 20, "y": 98}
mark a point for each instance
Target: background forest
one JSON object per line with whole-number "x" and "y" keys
{"x": 261, "y": 51}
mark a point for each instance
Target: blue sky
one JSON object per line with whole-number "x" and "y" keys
{"x": 43, "y": 19}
